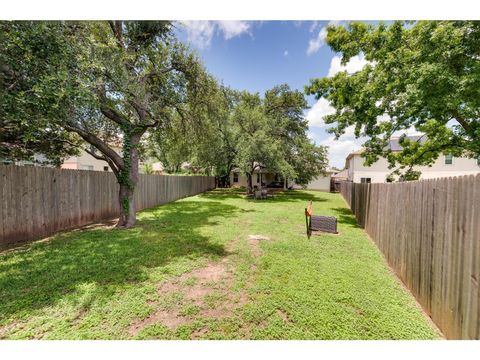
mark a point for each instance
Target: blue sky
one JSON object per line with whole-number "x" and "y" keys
{"x": 256, "y": 56}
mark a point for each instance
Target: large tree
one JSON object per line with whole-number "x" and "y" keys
{"x": 301, "y": 160}
{"x": 272, "y": 134}
{"x": 423, "y": 75}
{"x": 106, "y": 81}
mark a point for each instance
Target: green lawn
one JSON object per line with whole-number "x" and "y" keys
{"x": 189, "y": 270}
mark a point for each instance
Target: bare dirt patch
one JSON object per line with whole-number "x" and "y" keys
{"x": 5, "y": 329}
{"x": 283, "y": 315}
{"x": 254, "y": 241}
{"x": 208, "y": 290}
{"x": 168, "y": 318}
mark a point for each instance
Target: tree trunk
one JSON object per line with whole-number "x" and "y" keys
{"x": 127, "y": 207}
{"x": 284, "y": 183}
{"x": 249, "y": 183}
{"x": 128, "y": 179}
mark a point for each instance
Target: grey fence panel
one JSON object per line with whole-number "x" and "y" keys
{"x": 429, "y": 233}
{"x": 36, "y": 202}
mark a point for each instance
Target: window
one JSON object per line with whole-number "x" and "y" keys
{"x": 105, "y": 168}
{"x": 365, "y": 180}
{"x": 448, "y": 159}
{"x": 258, "y": 178}
{"x": 86, "y": 167}
{"x": 235, "y": 177}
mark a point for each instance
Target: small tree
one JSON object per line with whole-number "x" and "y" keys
{"x": 148, "y": 169}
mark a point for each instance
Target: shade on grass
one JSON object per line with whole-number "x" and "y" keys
{"x": 93, "y": 284}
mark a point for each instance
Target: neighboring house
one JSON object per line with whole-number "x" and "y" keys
{"x": 341, "y": 176}
{"x": 267, "y": 178}
{"x": 157, "y": 168}
{"x": 445, "y": 166}
{"x": 323, "y": 182}
{"x": 260, "y": 176}
{"x": 85, "y": 161}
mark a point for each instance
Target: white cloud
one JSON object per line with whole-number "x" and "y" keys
{"x": 316, "y": 43}
{"x": 339, "y": 149}
{"x": 314, "y": 26}
{"x": 315, "y": 115}
{"x": 200, "y": 33}
{"x": 355, "y": 64}
{"x": 285, "y": 53}
{"x": 231, "y": 29}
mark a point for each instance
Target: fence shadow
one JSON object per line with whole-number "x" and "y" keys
{"x": 345, "y": 216}
{"x": 42, "y": 274}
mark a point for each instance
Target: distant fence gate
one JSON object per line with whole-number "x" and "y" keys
{"x": 429, "y": 232}
{"x": 37, "y": 201}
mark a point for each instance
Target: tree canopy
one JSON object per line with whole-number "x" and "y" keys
{"x": 30, "y": 52}
{"x": 103, "y": 82}
{"x": 423, "y": 75}
{"x": 250, "y": 132}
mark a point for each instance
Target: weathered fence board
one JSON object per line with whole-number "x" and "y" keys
{"x": 429, "y": 232}
{"x": 37, "y": 201}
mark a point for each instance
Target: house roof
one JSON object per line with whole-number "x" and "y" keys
{"x": 357, "y": 152}
{"x": 257, "y": 171}
{"x": 393, "y": 144}
{"x": 342, "y": 174}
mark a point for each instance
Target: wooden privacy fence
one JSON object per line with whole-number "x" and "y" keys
{"x": 429, "y": 232}
{"x": 37, "y": 201}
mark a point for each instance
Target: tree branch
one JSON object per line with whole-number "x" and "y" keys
{"x": 104, "y": 158}
{"x": 106, "y": 110}
{"x": 462, "y": 121}
{"x": 96, "y": 156}
{"x": 116, "y": 27}
{"x": 98, "y": 143}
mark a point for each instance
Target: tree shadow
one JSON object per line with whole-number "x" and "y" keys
{"x": 43, "y": 273}
{"x": 346, "y": 217}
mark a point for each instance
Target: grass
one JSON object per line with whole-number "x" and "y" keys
{"x": 188, "y": 271}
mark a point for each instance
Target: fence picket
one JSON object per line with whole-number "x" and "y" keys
{"x": 47, "y": 200}
{"x": 429, "y": 232}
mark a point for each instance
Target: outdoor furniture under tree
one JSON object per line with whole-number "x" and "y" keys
{"x": 262, "y": 194}
{"x": 319, "y": 222}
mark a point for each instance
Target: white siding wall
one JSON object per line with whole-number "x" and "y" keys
{"x": 379, "y": 171}
{"x": 321, "y": 183}
{"x": 87, "y": 162}
{"x": 84, "y": 160}
{"x": 242, "y": 179}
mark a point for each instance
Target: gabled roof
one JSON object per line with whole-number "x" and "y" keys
{"x": 357, "y": 152}
{"x": 394, "y": 143}
{"x": 341, "y": 174}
